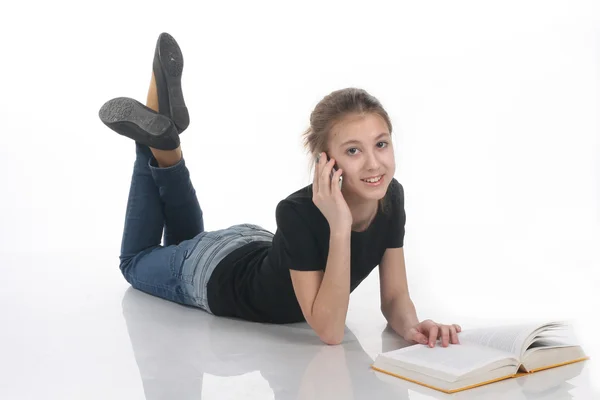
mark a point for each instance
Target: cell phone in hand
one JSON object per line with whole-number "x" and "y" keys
{"x": 334, "y": 169}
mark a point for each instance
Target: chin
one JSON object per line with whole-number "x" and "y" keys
{"x": 375, "y": 192}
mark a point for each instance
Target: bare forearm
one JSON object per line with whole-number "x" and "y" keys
{"x": 331, "y": 303}
{"x": 400, "y": 314}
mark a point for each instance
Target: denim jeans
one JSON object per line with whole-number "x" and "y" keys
{"x": 178, "y": 270}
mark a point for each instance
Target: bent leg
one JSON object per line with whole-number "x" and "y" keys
{"x": 153, "y": 271}
{"x": 182, "y": 212}
{"x": 171, "y": 199}
{"x": 144, "y": 219}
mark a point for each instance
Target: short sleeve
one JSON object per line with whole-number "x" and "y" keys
{"x": 298, "y": 247}
{"x": 398, "y": 216}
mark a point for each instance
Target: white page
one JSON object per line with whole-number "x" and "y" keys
{"x": 456, "y": 359}
{"x": 547, "y": 342}
{"x": 508, "y": 338}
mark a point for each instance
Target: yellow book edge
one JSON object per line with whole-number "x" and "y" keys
{"x": 516, "y": 375}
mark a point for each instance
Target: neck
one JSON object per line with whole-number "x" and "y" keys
{"x": 363, "y": 212}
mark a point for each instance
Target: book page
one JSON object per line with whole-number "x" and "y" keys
{"x": 548, "y": 343}
{"x": 510, "y": 338}
{"x": 452, "y": 361}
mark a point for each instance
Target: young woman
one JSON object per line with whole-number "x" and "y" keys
{"x": 329, "y": 236}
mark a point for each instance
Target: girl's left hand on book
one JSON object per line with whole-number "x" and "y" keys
{"x": 429, "y": 331}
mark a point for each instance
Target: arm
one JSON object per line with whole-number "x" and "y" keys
{"x": 398, "y": 308}
{"x": 396, "y": 305}
{"x": 324, "y": 296}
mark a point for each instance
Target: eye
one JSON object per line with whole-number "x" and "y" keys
{"x": 354, "y": 148}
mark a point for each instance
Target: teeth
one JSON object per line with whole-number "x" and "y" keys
{"x": 373, "y": 180}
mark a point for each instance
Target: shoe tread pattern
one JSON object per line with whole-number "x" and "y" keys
{"x": 130, "y": 118}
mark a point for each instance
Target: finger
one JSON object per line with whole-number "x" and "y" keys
{"x": 335, "y": 180}
{"x": 433, "y": 333}
{"x": 318, "y": 167}
{"x": 326, "y": 176}
{"x": 417, "y": 336}
{"x": 453, "y": 335}
{"x": 445, "y": 335}
{"x": 458, "y": 328}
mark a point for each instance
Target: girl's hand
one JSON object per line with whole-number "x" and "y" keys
{"x": 328, "y": 197}
{"x": 429, "y": 331}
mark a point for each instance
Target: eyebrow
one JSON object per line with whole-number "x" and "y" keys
{"x": 357, "y": 141}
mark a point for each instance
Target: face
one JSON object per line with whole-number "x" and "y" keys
{"x": 362, "y": 148}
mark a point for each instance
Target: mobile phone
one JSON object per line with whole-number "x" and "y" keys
{"x": 334, "y": 169}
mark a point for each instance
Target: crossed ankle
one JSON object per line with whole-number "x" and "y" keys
{"x": 167, "y": 158}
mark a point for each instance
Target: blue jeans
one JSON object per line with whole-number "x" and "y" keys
{"x": 180, "y": 269}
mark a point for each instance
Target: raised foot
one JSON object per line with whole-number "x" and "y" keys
{"x": 130, "y": 118}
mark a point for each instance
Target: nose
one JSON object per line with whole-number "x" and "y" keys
{"x": 371, "y": 162}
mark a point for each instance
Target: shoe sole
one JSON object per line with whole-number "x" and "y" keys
{"x": 134, "y": 120}
{"x": 167, "y": 68}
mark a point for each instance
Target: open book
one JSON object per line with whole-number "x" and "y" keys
{"x": 484, "y": 355}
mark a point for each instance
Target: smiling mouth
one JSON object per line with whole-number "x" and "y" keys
{"x": 378, "y": 179}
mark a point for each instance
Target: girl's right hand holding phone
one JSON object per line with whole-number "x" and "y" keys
{"x": 328, "y": 197}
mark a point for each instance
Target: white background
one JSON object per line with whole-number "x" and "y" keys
{"x": 494, "y": 108}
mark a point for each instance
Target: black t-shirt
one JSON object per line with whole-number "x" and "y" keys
{"x": 254, "y": 282}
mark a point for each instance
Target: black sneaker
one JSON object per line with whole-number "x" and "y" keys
{"x": 129, "y": 117}
{"x": 167, "y": 68}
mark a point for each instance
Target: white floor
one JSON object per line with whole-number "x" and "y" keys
{"x": 73, "y": 329}
{"x": 495, "y": 114}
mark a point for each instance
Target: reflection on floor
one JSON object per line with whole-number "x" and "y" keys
{"x": 177, "y": 348}
{"x": 73, "y": 329}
